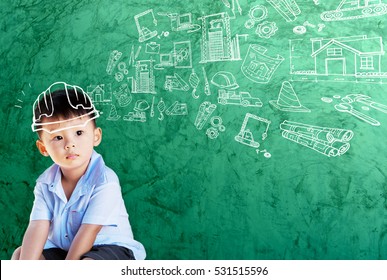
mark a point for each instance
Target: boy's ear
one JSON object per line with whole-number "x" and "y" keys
{"x": 97, "y": 136}
{"x": 41, "y": 148}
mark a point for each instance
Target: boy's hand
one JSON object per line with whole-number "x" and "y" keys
{"x": 83, "y": 241}
{"x": 34, "y": 240}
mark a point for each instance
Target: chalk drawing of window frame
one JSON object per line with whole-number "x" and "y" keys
{"x": 353, "y": 48}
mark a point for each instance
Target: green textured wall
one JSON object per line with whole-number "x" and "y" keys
{"x": 190, "y": 196}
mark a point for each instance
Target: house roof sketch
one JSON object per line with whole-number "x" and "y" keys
{"x": 359, "y": 46}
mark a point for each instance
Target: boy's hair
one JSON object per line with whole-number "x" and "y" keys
{"x": 68, "y": 103}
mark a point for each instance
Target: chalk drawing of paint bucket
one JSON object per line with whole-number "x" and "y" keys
{"x": 257, "y": 66}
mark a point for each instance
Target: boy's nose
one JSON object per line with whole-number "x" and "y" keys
{"x": 69, "y": 145}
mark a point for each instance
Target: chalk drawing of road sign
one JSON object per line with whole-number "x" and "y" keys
{"x": 328, "y": 141}
{"x": 345, "y": 59}
{"x": 288, "y": 9}
{"x": 259, "y": 67}
{"x": 253, "y": 130}
{"x": 288, "y": 100}
{"x": 355, "y": 9}
{"x": 217, "y": 43}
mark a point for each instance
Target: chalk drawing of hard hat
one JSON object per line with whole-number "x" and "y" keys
{"x": 73, "y": 96}
{"x": 224, "y": 79}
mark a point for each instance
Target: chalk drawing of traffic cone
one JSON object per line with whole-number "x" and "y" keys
{"x": 288, "y": 100}
{"x": 113, "y": 116}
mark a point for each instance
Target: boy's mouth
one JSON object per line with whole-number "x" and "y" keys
{"x": 72, "y": 156}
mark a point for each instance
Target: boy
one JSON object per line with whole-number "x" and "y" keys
{"x": 78, "y": 211}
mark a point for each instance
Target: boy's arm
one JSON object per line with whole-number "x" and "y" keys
{"x": 83, "y": 241}
{"x": 34, "y": 240}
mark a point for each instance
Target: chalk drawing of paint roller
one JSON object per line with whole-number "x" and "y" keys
{"x": 366, "y": 100}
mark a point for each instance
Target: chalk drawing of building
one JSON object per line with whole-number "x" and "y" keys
{"x": 100, "y": 93}
{"x": 217, "y": 44}
{"x": 353, "y": 58}
{"x": 144, "y": 80}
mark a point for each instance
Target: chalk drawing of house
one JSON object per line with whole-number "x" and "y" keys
{"x": 339, "y": 58}
{"x": 100, "y": 93}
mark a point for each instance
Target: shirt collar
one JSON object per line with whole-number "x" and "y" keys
{"x": 94, "y": 175}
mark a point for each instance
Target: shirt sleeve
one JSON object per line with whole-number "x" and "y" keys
{"x": 40, "y": 209}
{"x": 104, "y": 205}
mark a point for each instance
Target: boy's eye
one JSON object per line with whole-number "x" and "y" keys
{"x": 58, "y": 138}
{"x": 79, "y": 132}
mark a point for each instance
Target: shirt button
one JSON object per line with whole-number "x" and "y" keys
{"x": 66, "y": 235}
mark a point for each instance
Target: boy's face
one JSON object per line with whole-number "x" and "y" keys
{"x": 72, "y": 145}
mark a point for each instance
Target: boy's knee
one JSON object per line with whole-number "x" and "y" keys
{"x": 16, "y": 254}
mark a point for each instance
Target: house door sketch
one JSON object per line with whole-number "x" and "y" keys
{"x": 335, "y": 66}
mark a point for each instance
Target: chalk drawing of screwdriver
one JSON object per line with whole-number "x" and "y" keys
{"x": 347, "y": 108}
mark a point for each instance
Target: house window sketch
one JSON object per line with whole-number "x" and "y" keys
{"x": 334, "y": 52}
{"x": 344, "y": 59}
{"x": 366, "y": 62}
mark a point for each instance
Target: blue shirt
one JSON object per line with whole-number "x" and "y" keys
{"x": 96, "y": 199}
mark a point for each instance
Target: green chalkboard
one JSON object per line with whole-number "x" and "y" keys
{"x": 238, "y": 129}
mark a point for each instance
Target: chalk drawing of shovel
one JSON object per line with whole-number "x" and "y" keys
{"x": 347, "y": 108}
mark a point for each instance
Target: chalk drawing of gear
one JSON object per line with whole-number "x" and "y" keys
{"x": 266, "y": 29}
{"x": 256, "y": 14}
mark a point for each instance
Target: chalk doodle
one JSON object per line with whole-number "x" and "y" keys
{"x": 328, "y": 141}
{"x": 177, "y": 109}
{"x": 20, "y": 101}
{"x": 227, "y": 94}
{"x": 216, "y": 127}
{"x": 288, "y": 9}
{"x": 355, "y": 9}
{"x": 113, "y": 115}
{"x": 181, "y": 22}
{"x": 145, "y": 32}
{"x": 266, "y": 29}
{"x": 217, "y": 44}
{"x": 175, "y": 82}
{"x": 259, "y": 67}
{"x": 345, "y": 59}
{"x": 183, "y": 54}
{"x": 100, "y": 94}
{"x": 256, "y": 14}
{"x": 144, "y": 80}
{"x": 253, "y": 130}
{"x": 123, "y": 96}
{"x": 194, "y": 82}
{"x": 288, "y": 100}
{"x": 205, "y": 111}
{"x": 113, "y": 60}
{"x": 152, "y": 48}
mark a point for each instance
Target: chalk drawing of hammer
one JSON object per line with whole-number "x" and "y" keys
{"x": 366, "y": 100}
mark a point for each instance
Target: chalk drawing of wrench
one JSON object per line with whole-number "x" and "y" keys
{"x": 347, "y": 108}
